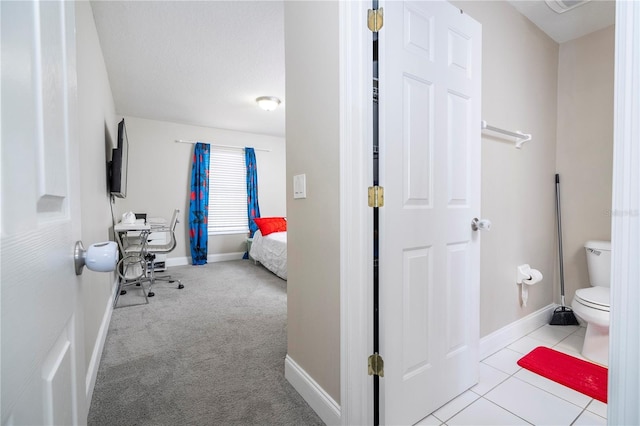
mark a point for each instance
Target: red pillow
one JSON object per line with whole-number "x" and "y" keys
{"x": 268, "y": 225}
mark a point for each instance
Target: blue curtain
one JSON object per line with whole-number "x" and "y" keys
{"x": 253, "y": 209}
{"x": 199, "y": 204}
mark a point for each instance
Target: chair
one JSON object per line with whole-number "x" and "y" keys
{"x": 152, "y": 250}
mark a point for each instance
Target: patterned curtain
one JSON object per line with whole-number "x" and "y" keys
{"x": 199, "y": 204}
{"x": 253, "y": 209}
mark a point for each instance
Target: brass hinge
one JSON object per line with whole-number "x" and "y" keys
{"x": 376, "y": 365}
{"x": 375, "y": 19}
{"x": 376, "y": 196}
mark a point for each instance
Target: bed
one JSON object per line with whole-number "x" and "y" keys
{"x": 271, "y": 249}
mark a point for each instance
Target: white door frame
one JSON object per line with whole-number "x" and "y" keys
{"x": 356, "y": 224}
{"x": 356, "y": 219}
{"x": 624, "y": 385}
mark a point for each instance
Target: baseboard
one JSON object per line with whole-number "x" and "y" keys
{"x": 516, "y": 330}
{"x": 212, "y": 258}
{"x": 96, "y": 354}
{"x": 177, "y": 261}
{"x": 312, "y": 392}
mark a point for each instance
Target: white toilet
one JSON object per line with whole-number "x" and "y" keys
{"x": 592, "y": 304}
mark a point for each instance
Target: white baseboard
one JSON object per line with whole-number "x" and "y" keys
{"x": 516, "y": 330}
{"x": 221, "y": 257}
{"x": 312, "y": 392}
{"x": 96, "y": 354}
{"x": 177, "y": 261}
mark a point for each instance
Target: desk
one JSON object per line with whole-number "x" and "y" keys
{"x": 121, "y": 231}
{"x": 132, "y": 267}
{"x": 132, "y": 237}
{"x": 140, "y": 259}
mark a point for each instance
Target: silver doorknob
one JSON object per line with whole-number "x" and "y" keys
{"x": 480, "y": 224}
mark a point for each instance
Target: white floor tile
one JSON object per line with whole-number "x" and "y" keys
{"x": 553, "y": 334}
{"x": 570, "y": 351}
{"x": 598, "y": 407}
{"x": 533, "y": 404}
{"x": 554, "y": 388}
{"x": 504, "y": 360}
{"x": 450, "y": 409}
{"x": 581, "y": 331}
{"x": 573, "y": 343}
{"x": 589, "y": 419}
{"x": 525, "y": 398}
{"x": 526, "y": 345}
{"x": 429, "y": 421}
{"x": 489, "y": 378}
{"x": 483, "y": 412}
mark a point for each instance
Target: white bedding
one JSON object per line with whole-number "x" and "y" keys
{"x": 271, "y": 251}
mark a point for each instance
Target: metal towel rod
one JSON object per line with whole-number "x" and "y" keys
{"x": 521, "y": 138}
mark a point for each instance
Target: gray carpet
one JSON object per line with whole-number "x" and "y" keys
{"x": 209, "y": 354}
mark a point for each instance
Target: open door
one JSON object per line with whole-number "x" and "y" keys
{"x": 42, "y": 335}
{"x": 430, "y": 83}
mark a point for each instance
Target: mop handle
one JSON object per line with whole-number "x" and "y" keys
{"x": 560, "y": 238}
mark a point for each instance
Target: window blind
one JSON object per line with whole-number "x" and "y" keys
{"x": 227, "y": 191}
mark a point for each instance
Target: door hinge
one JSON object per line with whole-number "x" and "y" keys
{"x": 376, "y": 365}
{"x": 374, "y": 19}
{"x": 376, "y": 196}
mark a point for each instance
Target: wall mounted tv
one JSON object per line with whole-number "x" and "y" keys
{"x": 119, "y": 164}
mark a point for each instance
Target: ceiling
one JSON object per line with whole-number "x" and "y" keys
{"x": 586, "y": 17}
{"x": 201, "y": 63}
{"x": 205, "y": 62}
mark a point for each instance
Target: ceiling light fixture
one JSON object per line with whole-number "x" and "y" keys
{"x": 561, "y": 6}
{"x": 268, "y": 103}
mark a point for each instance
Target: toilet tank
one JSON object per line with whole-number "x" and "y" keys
{"x": 599, "y": 262}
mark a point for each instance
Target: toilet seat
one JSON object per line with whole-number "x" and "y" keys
{"x": 594, "y": 297}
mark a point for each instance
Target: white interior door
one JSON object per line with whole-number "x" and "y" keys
{"x": 430, "y": 68}
{"x": 42, "y": 352}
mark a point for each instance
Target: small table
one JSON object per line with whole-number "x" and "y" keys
{"x": 121, "y": 232}
{"x": 121, "y": 229}
{"x": 249, "y": 242}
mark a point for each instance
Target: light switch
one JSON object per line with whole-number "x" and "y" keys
{"x": 300, "y": 186}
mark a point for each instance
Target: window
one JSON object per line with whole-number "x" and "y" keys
{"x": 227, "y": 191}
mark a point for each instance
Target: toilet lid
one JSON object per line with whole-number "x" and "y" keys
{"x": 595, "y": 297}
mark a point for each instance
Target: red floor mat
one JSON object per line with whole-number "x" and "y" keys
{"x": 585, "y": 377}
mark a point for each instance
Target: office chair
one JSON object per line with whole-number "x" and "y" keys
{"x": 152, "y": 250}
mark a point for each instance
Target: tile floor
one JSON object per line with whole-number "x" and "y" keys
{"x": 510, "y": 395}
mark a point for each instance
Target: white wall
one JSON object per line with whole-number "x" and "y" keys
{"x": 520, "y": 75}
{"x": 154, "y": 158}
{"x": 313, "y": 136}
{"x": 96, "y": 132}
{"x": 159, "y": 178}
{"x": 585, "y": 148}
{"x": 519, "y": 80}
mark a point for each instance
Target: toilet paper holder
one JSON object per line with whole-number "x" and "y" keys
{"x": 527, "y": 276}
{"x": 524, "y": 273}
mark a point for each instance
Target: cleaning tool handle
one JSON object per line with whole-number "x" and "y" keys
{"x": 560, "y": 238}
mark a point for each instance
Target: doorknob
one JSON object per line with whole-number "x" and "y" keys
{"x": 100, "y": 257}
{"x": 480, "y": 224}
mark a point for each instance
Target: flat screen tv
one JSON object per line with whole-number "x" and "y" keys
{"x": 119, "y": 164}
